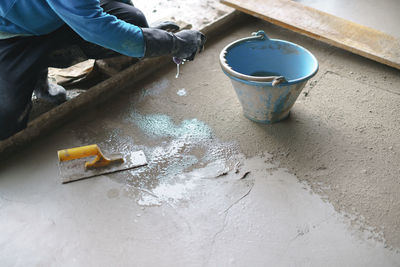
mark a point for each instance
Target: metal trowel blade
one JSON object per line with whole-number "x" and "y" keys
{"x": 74, "y": 170}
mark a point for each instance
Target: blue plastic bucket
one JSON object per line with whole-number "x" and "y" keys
{"x": 267, "y": 75}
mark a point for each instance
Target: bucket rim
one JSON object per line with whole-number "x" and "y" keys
{"x": 265, "y": 80}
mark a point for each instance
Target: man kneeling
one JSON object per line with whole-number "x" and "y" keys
{"x": 31, "y": 31}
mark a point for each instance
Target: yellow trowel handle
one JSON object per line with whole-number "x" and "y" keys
{"x": 87, "y": 151}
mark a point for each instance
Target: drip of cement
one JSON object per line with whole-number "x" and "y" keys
{"x": 178, "y": 62}
{"x": 177, "y": 71}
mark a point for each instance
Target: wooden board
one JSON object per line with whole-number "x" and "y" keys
{"x": 356, "y": 38}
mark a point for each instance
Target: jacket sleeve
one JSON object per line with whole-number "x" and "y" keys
{"x": 88, "y": 19}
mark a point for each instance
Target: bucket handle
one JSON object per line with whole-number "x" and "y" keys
{"x": 276, "y": 80}
{"x": 260, "y": 34}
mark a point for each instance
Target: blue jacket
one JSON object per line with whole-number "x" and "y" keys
{"x": 85, "y": 17}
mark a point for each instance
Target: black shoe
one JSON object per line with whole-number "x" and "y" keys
{"x": 51, "y": 92}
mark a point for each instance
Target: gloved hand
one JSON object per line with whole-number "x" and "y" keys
{"x": 190, "y": 43}
{"x": 184, "y": 44}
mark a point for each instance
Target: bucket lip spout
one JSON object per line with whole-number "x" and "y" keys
{"x": 256, "y": 80}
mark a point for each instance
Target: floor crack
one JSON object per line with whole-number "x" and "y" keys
{"x": 220, "y": 230}
{"x": 238, "y": 200}
{"x": 226, "y": 212}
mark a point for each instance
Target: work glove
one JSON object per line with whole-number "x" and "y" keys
{"x": 183, "y": 45}
{"x": 169, "y": 26}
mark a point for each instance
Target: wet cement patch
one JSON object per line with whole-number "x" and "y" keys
{"x": 178, "y": 154}
{"x": 220, "y": 220}
{"x": 282, "y": 220}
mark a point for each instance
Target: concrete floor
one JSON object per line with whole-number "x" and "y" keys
{"x": 380, "y": 15}
{"x": 322, "y": 189}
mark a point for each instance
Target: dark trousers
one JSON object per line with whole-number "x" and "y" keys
{"x": 24, "y": 62}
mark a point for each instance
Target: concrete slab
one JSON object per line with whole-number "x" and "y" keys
{"x": 322, "y": 186}
{"x": 380, "y": 15}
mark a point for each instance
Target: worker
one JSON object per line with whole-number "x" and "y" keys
{"x": 32, "y": 31}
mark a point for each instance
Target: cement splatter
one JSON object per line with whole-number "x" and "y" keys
{"x": 182, "y": 92}
{"x": 159, "y": 125}
{"x": 185, "y": 153}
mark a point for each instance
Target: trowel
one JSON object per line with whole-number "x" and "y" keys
{"x": 74, "y": 166}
